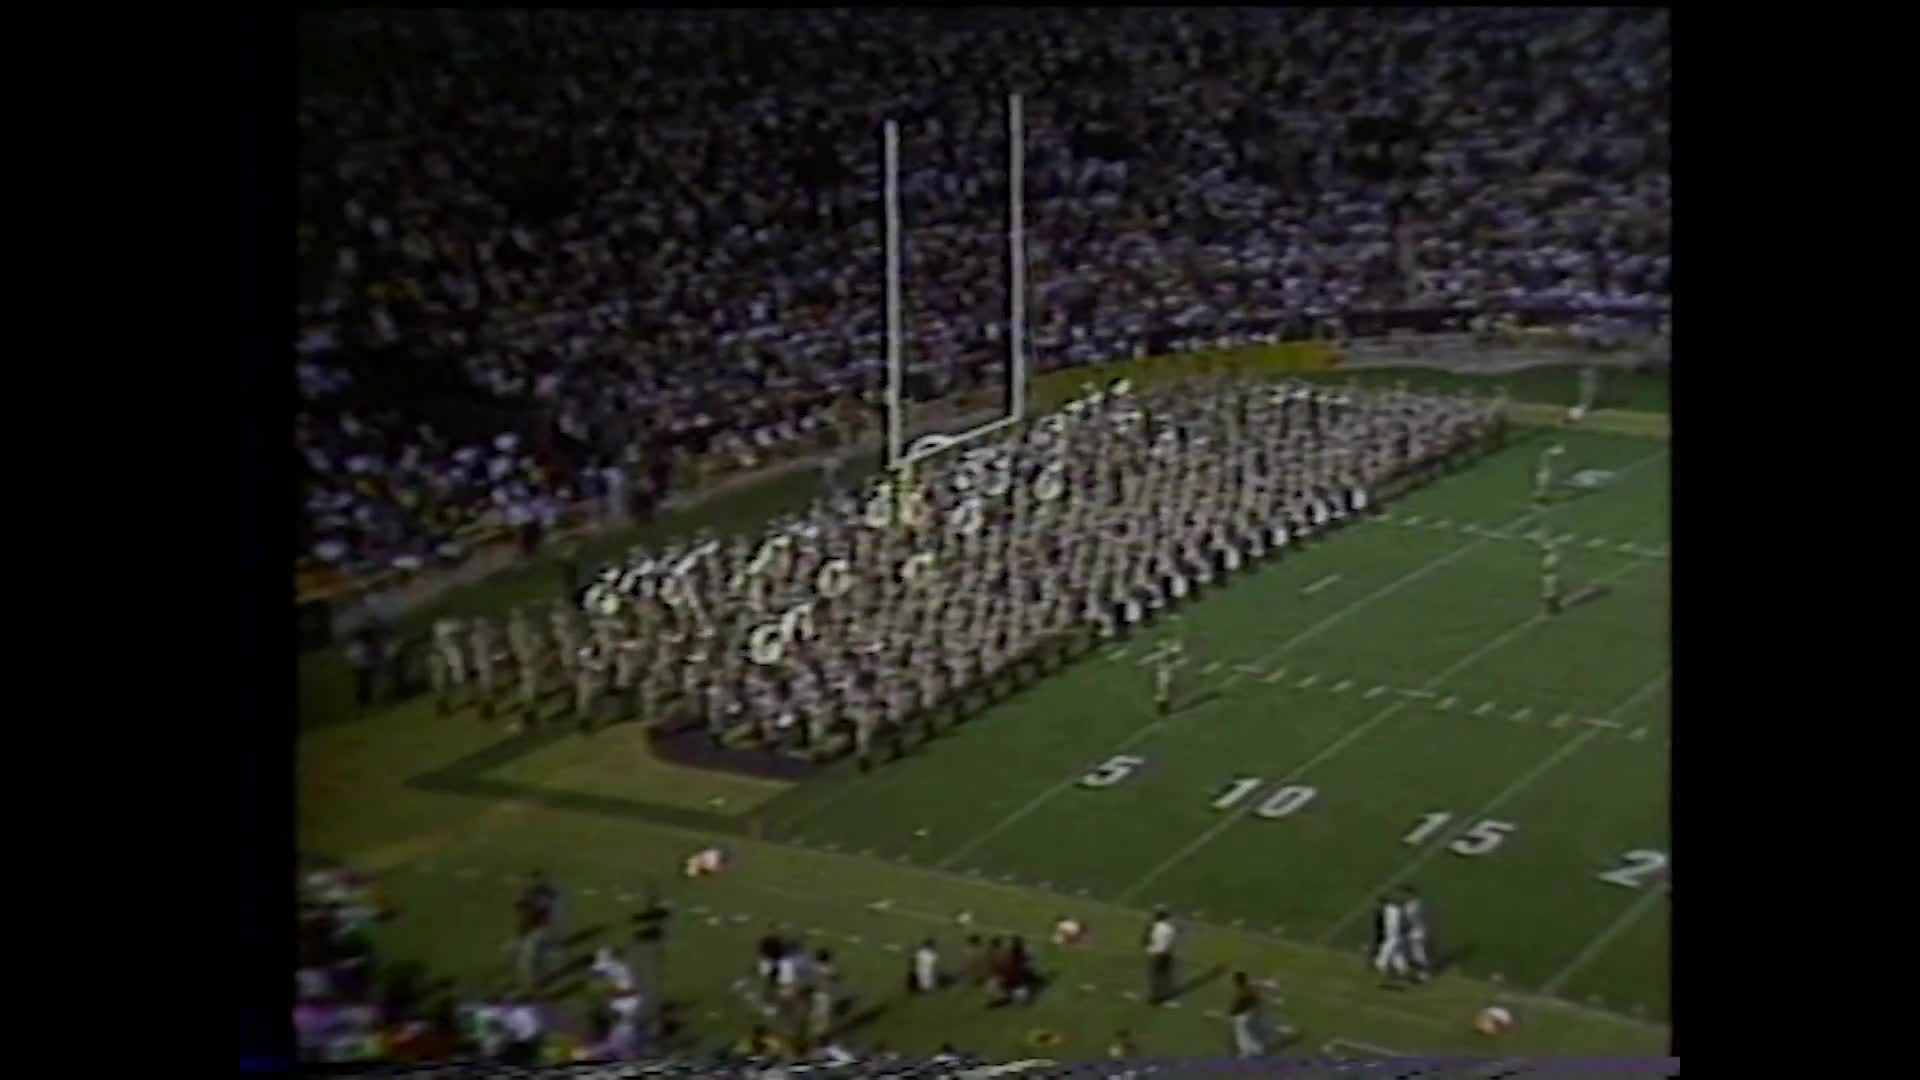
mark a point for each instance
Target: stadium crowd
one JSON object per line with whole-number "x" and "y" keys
{"x": 544, "y": 255}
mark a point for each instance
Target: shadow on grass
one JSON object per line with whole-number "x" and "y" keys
{"x": 1197, "y": 702}
{"x": 858, "y": 1019}
{"x": 1587, "y": 596}
{"x": 1452, "y": 959}
{"x": 1211, "y": 975}
{"x": 582, "y": 936}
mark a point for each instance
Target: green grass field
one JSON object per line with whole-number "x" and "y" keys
{"x": 1387, "y": 706}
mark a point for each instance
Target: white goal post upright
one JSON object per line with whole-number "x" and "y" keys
{"x": 899, "y": 455}
{"x": 890, "y": 178}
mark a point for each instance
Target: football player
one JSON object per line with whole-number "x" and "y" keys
{"x": 481, "y": 646}
{"x": 1389, "y": 941}
{"x": 589, "y": 664}
{"x": 1413, "y": 916}
{"x": 524, "y": 643}
{"x": 449, "y": 668}
{"x": 1543, "y": 473}
{"x": 1168, "y": 660}
{"x": 1549, "y": 578}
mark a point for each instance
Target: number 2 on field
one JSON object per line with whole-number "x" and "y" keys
{"x": 1640, "y": 865}
{"x": 1112, "y": 771}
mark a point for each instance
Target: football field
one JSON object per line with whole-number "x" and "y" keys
{"x": 1389, "y": 706}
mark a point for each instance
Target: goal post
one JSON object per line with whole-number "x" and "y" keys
{"x": 901, "y": 455}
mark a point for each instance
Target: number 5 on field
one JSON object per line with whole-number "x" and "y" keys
{"x": 1484, "y": 838}
{"x": 1112, "y": 771}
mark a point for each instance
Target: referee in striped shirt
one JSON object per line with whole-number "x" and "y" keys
{"x": 1160, "y": 939}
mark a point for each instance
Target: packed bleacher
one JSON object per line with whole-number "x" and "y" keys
{"x": 543, "y": 252}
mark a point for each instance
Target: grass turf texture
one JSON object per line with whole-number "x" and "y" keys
{"x": 1397, "y": 669}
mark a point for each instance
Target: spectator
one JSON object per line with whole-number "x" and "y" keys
{"x": 534, "y": 915}
{"x": 525, "y": 1030}
{"x": 923, "y": 976}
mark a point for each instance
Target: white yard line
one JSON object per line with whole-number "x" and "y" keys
{"x": 1606, "y": 937}
{"x": 1388, "y": 589}
{"x": 1321, "y": 584}
{"x": 1526, "y": 780}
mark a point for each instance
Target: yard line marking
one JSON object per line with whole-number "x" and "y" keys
{"x": 1565, "y": 750}
{"x": 1418, "y": 572}
{"x": 1604, "y": 938}
{"x": 1522, "y": 715}
{"x": 1485, "y": 708}
{"x": 1117, "y": 652}
{"x": 1089, "y": 987}
{"x": 1625, "y": 549}
{"x": 1352, "y": 735}
{"x": 893, "y": 948}
{"x": 590, "y": 891}
{"x": 1130, "y": 995}
{"x": 1561, "y": 721}
{"x": 1308, "y": 681}
{"x": 1249, "y": 669}
{"x": 1637, "y": 734}
{"x": 1374, "y": 693}
{"x": 1418, "y": 694}
{"x": 854, "y": 939}
{"x": 1416, "y": 519}
{"x": 1341, "y": 686}
{"x": 1600, "y": 721}
{"x": 1443, "y": 523}
{"x": 1211, "y": 668}
{"x": 1215, "y": 1014}
{"x": 1275, "y": 676}
{"x": 1446, "y": 703}
{"x": 1596, "y": 542}
{"x": 1321, "y": 584}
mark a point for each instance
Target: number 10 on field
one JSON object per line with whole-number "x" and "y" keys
{"x": 1635, "y": 870}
